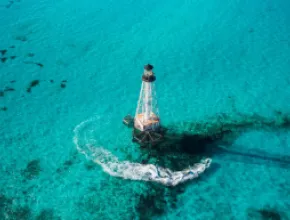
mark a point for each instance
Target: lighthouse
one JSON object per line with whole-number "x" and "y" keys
{"x": 147, "y": 129}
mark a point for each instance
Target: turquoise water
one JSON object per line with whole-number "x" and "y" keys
{"x": 219, "y": 65}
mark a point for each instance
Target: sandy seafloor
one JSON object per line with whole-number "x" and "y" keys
{"x": 213, "y": 60}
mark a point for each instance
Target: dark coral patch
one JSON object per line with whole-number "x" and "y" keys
{"x": 3, "y": 59}
{"x": 9, "y": 89}
{"x": 32, "y": 169}
{"x": 4, "y": 201}
{"x": 3, "y": 52}
{"x": 269, "y": 214}
{"x": 47, "y": 214}
{"x": 63, "y": 83}
{"x": 30, "y": 62}
{"x": 251, "y": 30}
{"x": 90, "y": 165}
{"x": 13, "y": 212}
{"x": 149, "y": 205}
{"x": 265, "y": 213}
{"x": 66, "y": 165}
{"x": 21, "y": 38}
{"x": 30, "y": 54}
{"x": 21, "y": 213}
{"x": 32, "y": 84}
{"x": 39, "y": 64}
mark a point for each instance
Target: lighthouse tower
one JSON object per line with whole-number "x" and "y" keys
{"x": 146, "y": 121}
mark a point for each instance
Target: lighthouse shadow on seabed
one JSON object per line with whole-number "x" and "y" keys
{"x": 178, "y": 147}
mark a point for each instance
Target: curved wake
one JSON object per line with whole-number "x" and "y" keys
{"x": 86, "y": 143}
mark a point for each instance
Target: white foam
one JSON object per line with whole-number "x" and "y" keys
{"x": 86, "y": 144}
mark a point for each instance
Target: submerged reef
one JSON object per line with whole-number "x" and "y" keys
{"x": 4, "y": 57}
{"x": 63, "y": 84}
{"x": 9, "y": 211}
{"x": 266, "y": 213}
{"x": 47, "y": 214}
{"x": 186, "y": 143}
{"x": 5, "y": 90}
{"x": 90, "y": 165}
{"x": 4, "y": 108}
{"x": 3, "y": 52}
{"x": 156, "y": 200}
{"x": 31, "y": 62}
{"x": 67, "y": 164}
{"x": 32, "y": 169}
{"x": 21, "y": 38}
{"x": 32, "y": 84}
{"x": 30, "y": 54}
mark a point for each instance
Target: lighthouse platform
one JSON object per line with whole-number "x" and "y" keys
{"x": 147, "y": 137}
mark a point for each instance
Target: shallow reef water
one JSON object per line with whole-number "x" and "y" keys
{"x": 185, "y": 144}
{"x": 222, "y": 88}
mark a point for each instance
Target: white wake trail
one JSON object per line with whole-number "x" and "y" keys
{"x": 86, "y": 144}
